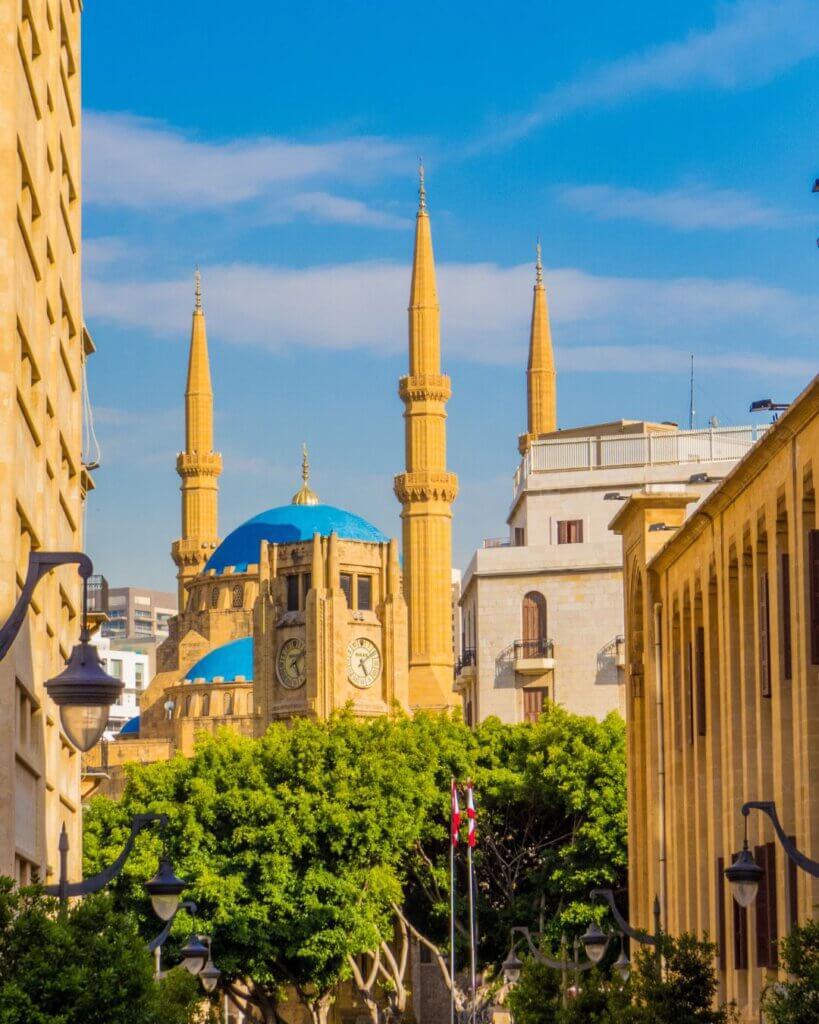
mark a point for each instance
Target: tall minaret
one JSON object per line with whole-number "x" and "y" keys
{"x": 426, "y": 490}
{"x": 540, "y": 374}
{"x": 198, "y": 466}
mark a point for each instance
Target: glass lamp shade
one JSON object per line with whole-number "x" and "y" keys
{"x": 165, "y": 888}
{"x": 84, "y": 692}
{"x": 595, "y": 943}
{"x": 194, "y": 954}
{"x": 209, "y": 975}
{"x": 623, "y": 965}
{"x": 744, "y": 876}
{"x": 511, "y": 968}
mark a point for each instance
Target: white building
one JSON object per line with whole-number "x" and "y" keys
{"x": 133, "y": 668}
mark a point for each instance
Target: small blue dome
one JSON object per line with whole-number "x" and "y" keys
{"x": 288, "y": 525}
{"x": 225, "y": 662}
{"x": 131, "y": 727}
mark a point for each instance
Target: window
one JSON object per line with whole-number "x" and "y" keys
{"x": 139, "y": 674}
{"x": 228, "y": 703}
{"x": 206, "y": 705}
{"x": 764, "y": 636}
{"x": 787, "y": 664}
{"x": 519, "y": 537}
{"x": 306, "y": 586}
{"x": 347, "y": 587}
{"x": 570, "y": 531}
{"x": 533, "y": 615}
{"x": 722, "y": 948}
{"x": 214, "y": 596}
{"x": 115, "y": 668}
{"x": 766, "y": 929}
{"x": 701, "y": 695}
{"x": 187, "y": 710}
{"x": 365, "y": 593}
{"x": 292, "y": 593}
{"x": 238, "y": 596}
{"x": 534, "y": 701}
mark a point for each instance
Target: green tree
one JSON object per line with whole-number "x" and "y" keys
{"x": 86, "y": 965}
{"x": 681, "y": 991}
{"x": 535, "y": 999}
{"x": 796, "y": 1001}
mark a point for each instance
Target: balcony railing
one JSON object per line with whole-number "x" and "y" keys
{"x": 525, "y": 649}
{"x": 716, "y": 444}
{"x": 468, "y": 659}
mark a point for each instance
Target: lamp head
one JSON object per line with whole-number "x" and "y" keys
{"x": 511, "y": 968}
{"x": 209, "y": 976}
{"x": 744, "y": 876}
{"x": 595, "y": 942}
{"x": 165, "y": 888}
{"x": 84, "y": 692}
{"x": 194, "y": 954}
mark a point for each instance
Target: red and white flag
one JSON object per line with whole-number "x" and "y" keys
{"x": 470, "y": 813}
{"x": 456, "y": 813}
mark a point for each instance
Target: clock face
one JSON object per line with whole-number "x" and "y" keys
{"x": 290, "y": 664}
{"x": 363, "y": 662}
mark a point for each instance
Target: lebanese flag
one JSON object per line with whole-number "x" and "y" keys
{"x": 470, "y": 813}
{"x": 456, "y": 813}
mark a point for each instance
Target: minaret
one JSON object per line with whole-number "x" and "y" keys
{"x": 198, "y": 466}
{"x": 426, "y": 490}
{"x": 540, "y": 373}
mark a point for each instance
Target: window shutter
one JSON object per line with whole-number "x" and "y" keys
{"x": 773, "y": 928}
{"x": 689, "y": 672}
{"x": 787, "y": 665}
{"x": 701, "y": 694}
{"x": 722, "y": 937}
{"x": 813, "y": 571}
{"x": 764, "y": 636}
{"x": 740, "y": 932}
{"x": 763, "y": 934}
{"x": 793, "y": 891}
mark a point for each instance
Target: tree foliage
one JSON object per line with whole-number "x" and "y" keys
{"x": 300, "y": 846}
{"x": 796, "y": 1001}
{"x": 86, "y": 965}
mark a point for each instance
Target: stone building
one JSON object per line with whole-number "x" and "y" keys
{"x": 542, "y": 607}
{"x": 43, "y": 347}
{"x": 722, "y": 649}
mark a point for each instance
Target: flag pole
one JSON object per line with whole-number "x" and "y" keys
{"x": 470, "y": 810}
{"x": 453, "y": 839}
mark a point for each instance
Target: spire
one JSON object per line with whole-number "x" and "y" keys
{"x": 197, "y": 278}
{"x": 304, "y": 496}
{"x": 540, "y": 375}
{"x": 424, "y": 312}
{"x": 199, "y": 390}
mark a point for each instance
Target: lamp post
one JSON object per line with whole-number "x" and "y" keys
{"x": 594, "y": 938}
{"x": 164, "y": 888}
{"x": 512, "y": 965}
{"x": 83, "y": 691}
{"x": 197, "y": 958}
{"x": 744, "y": 875}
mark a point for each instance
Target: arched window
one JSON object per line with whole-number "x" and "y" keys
{"x": 238, "y": 596}
{"x": 534, "y": 624}
{"x": 228, "y": 703}
{"x": 188, "y": 700}
{"x": 250, "y": 703}
{"x": 206, "y": 705}
{"x": 214, "y": 597}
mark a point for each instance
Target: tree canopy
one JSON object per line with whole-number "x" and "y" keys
{"x": 300, "y": 846}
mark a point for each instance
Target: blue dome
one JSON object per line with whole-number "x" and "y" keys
{"x": 288, "y": 525}
{"x": 225, "y": 662}
{"x": 131, "y": 727}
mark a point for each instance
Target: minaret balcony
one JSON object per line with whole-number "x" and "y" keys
{"x": 533, "y": 657}
{"x": 199, "y": 464}
{"x": 425, "y": 387}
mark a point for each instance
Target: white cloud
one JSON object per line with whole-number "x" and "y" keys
{"x": 485, "y": 314}
{"x": 141, "y": 164}
{"x": 751, "y": 42}
{"x": 687, "y": 208}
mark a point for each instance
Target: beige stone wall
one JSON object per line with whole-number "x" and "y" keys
{"x": 41, "y": 357}
{"x": 739, "y": 717}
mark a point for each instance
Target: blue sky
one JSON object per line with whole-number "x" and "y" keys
{"x": 664, "y": 154}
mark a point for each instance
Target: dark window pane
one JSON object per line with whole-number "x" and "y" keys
{"x": 365, "y": 593}
{"x": 292, "y": 593}
{"x": 347, "y": 587}
{"x": 307, "y": 583}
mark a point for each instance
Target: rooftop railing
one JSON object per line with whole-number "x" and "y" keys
{"x": 717, "y": 444}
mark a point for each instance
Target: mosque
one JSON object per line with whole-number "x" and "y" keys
{"x": 305, "y": 608}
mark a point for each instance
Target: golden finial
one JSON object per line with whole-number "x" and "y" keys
{"x": 538, "y": 266}
{"x": 304, "y": 496}
{"x": 197, "y": 277}
{"x": 422, "y": 192}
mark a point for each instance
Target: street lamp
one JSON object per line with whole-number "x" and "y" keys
{"x": 210, "y": 973}
{"x": 593, "y": 933}
{"x": 744, "y": 875}
{"x": 197, "y": 958}
{"x": 595, "y": 942}
{"x": 83, "y": 691}
{"x": 512, "y": 965}
{"x": 194, "y": 954}
{"x": 511, "y": 968}
{"x": 165, "y": 889}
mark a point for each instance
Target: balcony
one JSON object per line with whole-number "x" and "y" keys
{"x": 465, "y": 666}
{"x": 533, "y": 657}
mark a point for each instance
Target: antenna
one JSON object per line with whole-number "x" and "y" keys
{"x": 691, "y": 412}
